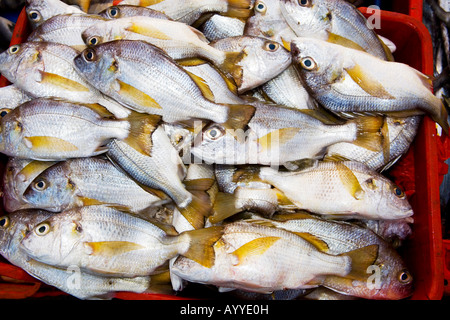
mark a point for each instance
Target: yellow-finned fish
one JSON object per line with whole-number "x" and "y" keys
{"x": 258, "y": 258}
{"x": 104, "y": 240}
{"x": 348, "y": 80}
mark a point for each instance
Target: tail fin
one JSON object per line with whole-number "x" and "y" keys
{"x": 200, "y": 205}
{"x": 239, "y": 116}
{"x": 84, "y": 5}
{"x": 239, "y": 8}
{"x": 224, "y": 207}
{"x": 201, "y": 247}
{"x": 142, "y": 126}
{"x": 369, "y": 132}
{"x": 362, "y": 258}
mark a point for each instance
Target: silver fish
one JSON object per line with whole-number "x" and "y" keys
{"x": 122, "y": 11}
{"x": 39, "y": 11}
{"x": 219, "y": 27}
{"x": 13, "y": 228}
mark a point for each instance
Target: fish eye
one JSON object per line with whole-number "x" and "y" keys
{"x": 113, "y": 12}
{"x": 260, "y": 7}
{"x": 34, "y": 15}
{"x": 14, "y": 49}
{"x": 214, "y": 133}
{"x": 398, "y": 192}
{"x": 4, "y": 112}
{"x": 92, "y": 41}
{"x": 271, "y": 46}
{"x": 89, "y": 55}
{"x": 308, "y": 63}
{"x": 4, "y": 222}
{"x": 304, "y": 3}
{"x": 40, "y": 185}
{"x": 404, "y": 277}
{"x": 42, "y": 229}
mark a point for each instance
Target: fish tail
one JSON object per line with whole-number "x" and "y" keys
{"x": 200, "y": 205}
{"x": 369, "y": 132}
{"x": 160, "y": 283}
{"x": 239, "y": 116}
{"x": 361, "y": 258}
{"x": 239, "y": 8}
{"x": 201, "y": 247}
{"x": 142, "y": 126}
{"x": 224, "y": 207}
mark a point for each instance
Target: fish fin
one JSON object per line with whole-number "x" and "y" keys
{"x": 148, "y": 31}
{"x": 255, "y": 247}
{"x": 279, "y": 136}
{"x": 61, "y": 82}
{"x": 230, "y": 66}
{"x": 239, "y": 116}
{"x": 188, "y": 62}
{"x": 239, "y": 8}
{"x": 318, "y": 243}
{"x": 90, "y": 201}
{"x": 293, "y": 216}
{"x": 147, "y": 3}
{"x": 369, "y": 133}
{"x": 48, "y": 144}
{"x": 137, "y": 96}
{"x": 246, "y": 174}
{"x": 111, "y": 248}
{"x": 196, "y": 211}
{"x": 202, "y": 184}
{"x": 345, "y": 42}
{"x": 349, "y": 181}
{"x": 84, "y": 5}
{"x": 160, "y": 283}
{"x": 386, "y": 143}
{"x": 202, "y": 85}
{"x": 334, "y": 158}
{"x": 224, "y": 207}
{"x": 202, "y": 241}
{"x": 34, "y": 167}
{"x": 286, "y": 44}
{"x": 261, "y": 222}
{"x": 362, "y": 258}
{"x": 142, "y": 126}
{"x": 368, "y": 83}
{"x": 101, "y": 110}
{"x": 282, "y": 199}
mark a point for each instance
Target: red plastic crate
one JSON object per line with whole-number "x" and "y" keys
{"x": 419, "y": 173}
{"x": 413, "y": 8}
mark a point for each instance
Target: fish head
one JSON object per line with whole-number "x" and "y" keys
{"x": 387, "y": 198}
{"x": 307, "y": 18}
{"x": 55, "y": 238}
{"x": 15, "y": 226}
{"x": 18, "y": 58}
{"x": 217, "y": 144}
{"x": 113, "y": 12}
{"x": 318, "y": 66}
{"x": 103, "y": 32}
{"x": 38, "y": 11}
{"x": 99, "y": 66}
{"x": 52, "y": 190}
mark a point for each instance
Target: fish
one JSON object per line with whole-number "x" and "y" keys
{"x": 49, "y": 130}
{"x": 260, "y": 60}
{"x": 65, "y": 29}
{"x": 107, "y": 241}
{"x": 278, "y": 135}
{"x": 337, "y": 237}
{"x": 79, "y": 284}
{"x": 39, "y": 11}
{"x": 47, "y": 70}
{"x": 337, "y": 22}
{"x": 346, "y": 189}
{"x": 219, "y": 27}
{"x": 87, "y": 181}
{"x": 287, "y": 90}
{"x": 18, "y": 175}
{"x": 11, "y": 97}
{"x": 346, "y": 79}
{"x": 177, "y": 39}
{"x": 189, "y": 12}
{"x": 398, "y": 135}
{"x": 158, "y": 86}
{"x": 257, "y": 258}
{"x": 268, "y": 22}
{"x": 122, "y": 11}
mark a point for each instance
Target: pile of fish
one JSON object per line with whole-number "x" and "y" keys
{"x": 240, "y": 144}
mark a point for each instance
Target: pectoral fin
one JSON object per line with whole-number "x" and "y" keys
{"x": 111, "y": 248}
{"x": 62, "y": 82}
{"x": 49, "y": 144}
{"x": 137, "y": 96}
{"x": 255, "y": 247}
{"x": 277, "y": 138}
{"x": 368, "y": 84}
{"x": 148, "y": 31}
{"x": 202, "y": 85}
{"x": 349, "y": 181}
{"x": 337, "y": 39}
